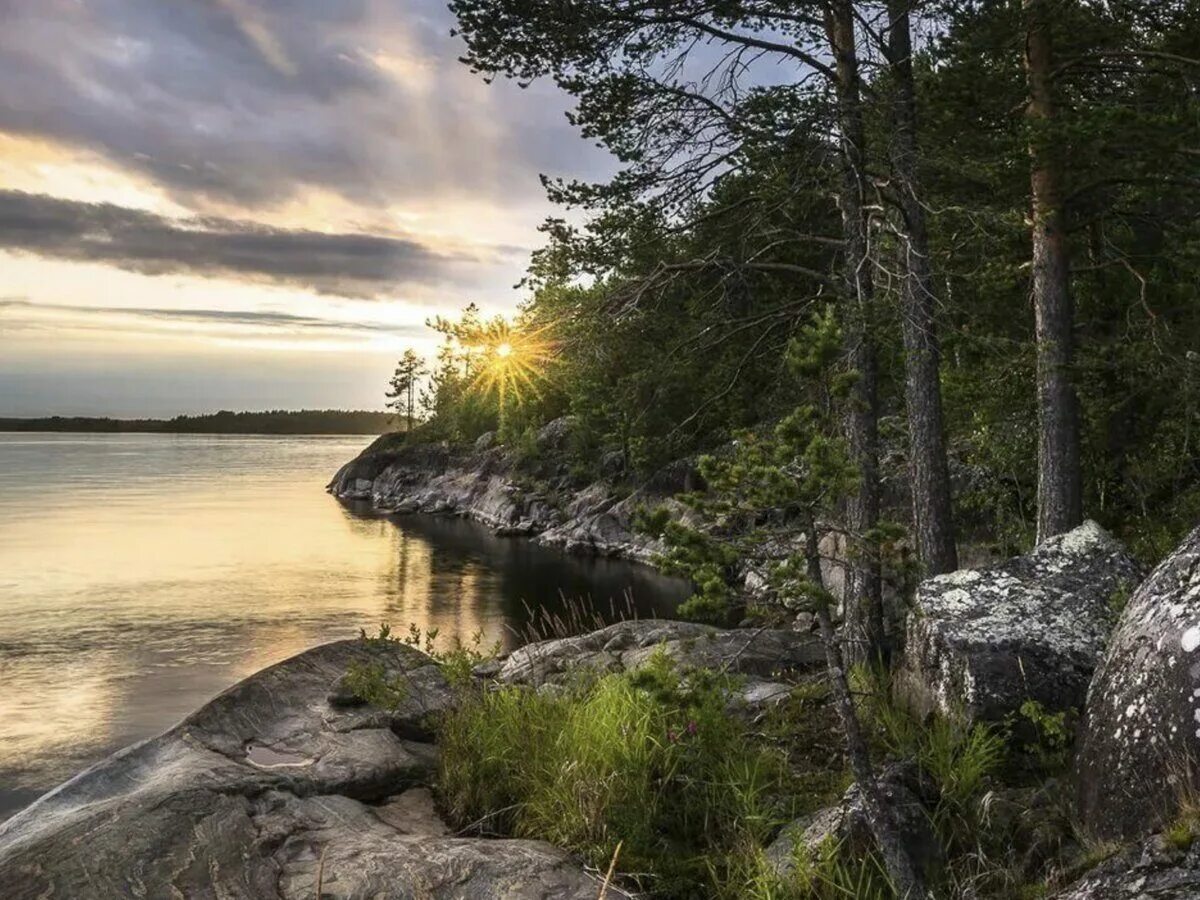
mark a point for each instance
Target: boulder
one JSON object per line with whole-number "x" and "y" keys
{"x": 1139, "y": 752}
{"x": 980, "y": 642}
{"x": 1158, "y": 869}
{"x": 612, "y": 464}
{"x": 554, "y": 435}
{"x": 264, "y": 793}
{"x": 356, "y": 479}
{"x": 627, "y": 646}
{"x": 846, "y": 825}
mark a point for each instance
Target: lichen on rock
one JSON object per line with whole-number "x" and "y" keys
{"x": 1139, "y": 754}
{"x": 981, "y": 642}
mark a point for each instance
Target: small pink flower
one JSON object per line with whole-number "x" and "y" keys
{"x": 672, "y": 736}
{"x": 692, "y": 728}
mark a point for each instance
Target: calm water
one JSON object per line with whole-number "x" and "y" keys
{"x": 142, "y": 574}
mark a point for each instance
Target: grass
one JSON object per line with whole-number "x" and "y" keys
{"x": 650, "y": 759}
{"x": 653, "y": 762}
{"x": 960, "y": 759}
{"x": 826, "y": 872}
{"x": 578, "y": 615}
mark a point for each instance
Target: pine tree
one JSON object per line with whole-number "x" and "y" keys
{"x": 402, "y": 391}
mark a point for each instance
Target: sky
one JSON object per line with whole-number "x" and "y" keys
{"x": 252, "y": 204}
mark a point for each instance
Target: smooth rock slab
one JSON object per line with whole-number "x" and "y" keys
{"x": 243, "y": 799}
{"x": 1140, "y": 748}
{"x": 626, "y": 646}
{"x": 980, "y": 642}
{"x": 355, "y": 854}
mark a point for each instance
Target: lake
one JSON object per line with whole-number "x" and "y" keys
{"x": 141, "y": 574}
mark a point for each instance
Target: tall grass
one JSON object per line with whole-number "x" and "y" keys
{"x": 578, "y": 615}
{"x": 647, "y": 759}
{"x": 826, "y": 872}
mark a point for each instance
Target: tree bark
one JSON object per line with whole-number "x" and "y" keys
{"x": 929, "y": 472}
{"x": 881, "y": 819}
{"x": 1060, "y": 488}
{"x": 864, "y": 596}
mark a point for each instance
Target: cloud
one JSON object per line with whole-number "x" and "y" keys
{"x": 250, "y": 103}
{"x": 247, "y": 318}
{"x": 348, "y": 265}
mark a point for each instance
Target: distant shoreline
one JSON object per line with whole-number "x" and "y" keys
{"x": 291, "y": 422}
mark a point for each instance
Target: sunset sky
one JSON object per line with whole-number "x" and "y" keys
{"x": 251, "y": 204}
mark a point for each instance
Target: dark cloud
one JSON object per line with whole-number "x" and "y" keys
{"x": 248, "y": 101}
{"x": 349, "y": 265}
{"x": 269, "y": 319}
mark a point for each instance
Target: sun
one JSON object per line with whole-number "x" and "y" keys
{"x": 513, "y": 360}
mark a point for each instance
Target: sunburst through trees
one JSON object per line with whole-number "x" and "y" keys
{"x": 498, "y": 363}
{"x": 514, "y": 361}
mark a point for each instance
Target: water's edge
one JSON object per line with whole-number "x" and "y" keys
{"x": 206, "y": 559}
{"x": 511, "y": 496}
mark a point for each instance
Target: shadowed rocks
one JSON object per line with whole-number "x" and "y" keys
{"x": 1140, "y": 747}
{"x": 980, "y": 642}
{"x": 265, "y": 792}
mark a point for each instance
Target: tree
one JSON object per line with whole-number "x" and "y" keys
{"x": 929, "y": 472}
{"x": 865, "y": 611}
{"x": 668, "y": 88}
{"x": 402, "y": 390}
{"x": 1060, "y": 479}
{"x": 768, "y": 490}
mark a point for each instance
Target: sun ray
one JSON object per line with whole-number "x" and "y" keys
{"x": 512, "y": 360}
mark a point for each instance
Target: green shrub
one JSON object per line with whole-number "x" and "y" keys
{"x": 1048, "y": 743}
{"x": 370, "y": 681}
{"x": 649, "y": 759}
{"x": 959, "y": 758}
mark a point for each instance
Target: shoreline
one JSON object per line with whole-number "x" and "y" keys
{"x": 537, "y": 500}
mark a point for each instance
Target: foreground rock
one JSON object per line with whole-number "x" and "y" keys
{"x": 845, "y": 826}
{"x": 264, "y": 793}
{"x": 1157, "y": 869}
{"x": 981, "y": 642}
{"x": 761, "y": 654}
{"x": 1139, "y": 752}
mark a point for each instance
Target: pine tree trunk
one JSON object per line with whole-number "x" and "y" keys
{"x": 929, "y": 473}
{"x": 864, "y": 596}
{"x": 1060, "y": 490}
{"x": 881, "y": 818}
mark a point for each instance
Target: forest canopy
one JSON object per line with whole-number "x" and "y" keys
{"x": 1001, "y": 199}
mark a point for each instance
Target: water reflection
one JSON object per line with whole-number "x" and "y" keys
{"x": 142, "y": 574}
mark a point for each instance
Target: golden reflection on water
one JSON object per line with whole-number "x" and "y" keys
{"x": 142, "y": 574}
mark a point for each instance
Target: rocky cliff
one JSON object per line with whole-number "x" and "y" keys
{"x": 533, "y": 496}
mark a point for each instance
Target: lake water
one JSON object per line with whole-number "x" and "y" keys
{"x": 142, "y": 574}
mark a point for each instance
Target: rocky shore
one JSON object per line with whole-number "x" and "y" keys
{"x": 288, "y": 785}
{"x": 532, "y": 497}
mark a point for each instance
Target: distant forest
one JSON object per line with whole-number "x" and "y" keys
{"x": 276, "y": 421}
